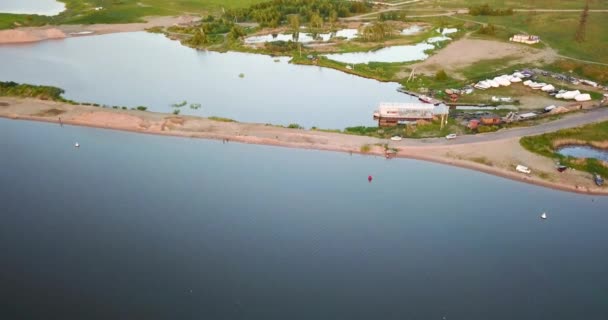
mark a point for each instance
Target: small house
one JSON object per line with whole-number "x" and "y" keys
{"x": 490, "y": 119}
{"x": 473, "y": 124}
{"x": 524, "y": 38}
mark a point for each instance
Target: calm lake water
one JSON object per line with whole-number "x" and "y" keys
{"x": 389, "y": 54}
{"x": 584, "y": 152}
{"x": 395, "y": 53}
{"x": 135, "y": 226}
{"x": 40, "y": 7}
{"x": 140, "y": 68}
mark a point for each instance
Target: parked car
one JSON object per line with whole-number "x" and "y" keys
{"x": 523, "y": 169}
{"x": 451, "y": 136}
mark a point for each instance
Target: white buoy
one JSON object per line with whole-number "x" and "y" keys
{"x": 543, "y": 215}
{"x": 77, "y": 145}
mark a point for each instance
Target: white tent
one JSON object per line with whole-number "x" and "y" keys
{"x": 493, "y": 83}
{"x": 571, "y": 94}
{"x": 548, "y": 88}
{"x": 583, "y": 97}
{"x": 502, "y": 81}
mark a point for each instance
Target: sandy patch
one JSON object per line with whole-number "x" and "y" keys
{"x": 110, "y": 119}
{"x": 34, "y": 34}
{"x": 30, "y": 35}
{"x": 465, "y": 52}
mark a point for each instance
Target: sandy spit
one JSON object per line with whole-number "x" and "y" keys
{"x": 492, "y": 157}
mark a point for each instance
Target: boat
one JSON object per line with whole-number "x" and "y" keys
{"x": 549, "y": 108}
{"x": 77, "y": 145}
{"x": 599, "y": 181}
{"x": 543, "y": 215}
{"x": 396, "y": 138}
{"x": 425, "y": 99}
{"x": 548, "y": 88}
{"x": 523, "y": 169}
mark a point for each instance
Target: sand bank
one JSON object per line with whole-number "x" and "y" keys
{"x": 497, "y": 157}
{"x": 34, "y": 34}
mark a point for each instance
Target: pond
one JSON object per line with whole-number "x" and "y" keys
{"x": 304, "y": 37}
{"x": 392, "y": 54}
{"x": 132, "y": 69}
{"x": 584, "y": 152}
{"x": 388, "y": 55}
{"x": 39, "y": 7}
{"x": 412, "y": 30}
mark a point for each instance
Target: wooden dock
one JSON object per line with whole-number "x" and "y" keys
{"x": 417, "y": 95}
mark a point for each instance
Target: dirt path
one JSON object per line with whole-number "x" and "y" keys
{"x": 495, "y": 153}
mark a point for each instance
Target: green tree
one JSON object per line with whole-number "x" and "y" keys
{"x": 199, "y": 38}
{"x": 294, "y": 22}
{"x": 441, "y": 75}
{"x": 316, "y": 22}
{"x": 236, "y": 33}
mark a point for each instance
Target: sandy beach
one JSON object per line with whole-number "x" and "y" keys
{"x": 35, "y": 34}
{"x": 497, "y": 156}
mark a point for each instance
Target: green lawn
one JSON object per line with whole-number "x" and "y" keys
{"x": 518, "y": 4}
{"x": 121, "y": 11}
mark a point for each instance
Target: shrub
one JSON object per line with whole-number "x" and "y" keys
{"x": 294, "y": 126}
{"x": 221, "y": 119}
{"x": 142, "y": 108}
{"x": 486, "y": 10}
{"x": 487, "y": 29}
{"x": 176, "y": 111}
{"x": 441, "y": 75}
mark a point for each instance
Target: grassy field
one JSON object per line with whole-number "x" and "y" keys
{"x": 558, "y": 30}
{"x": 114, "y": 11}
{"x": 544, "y": 145}
{"x": 517, "y": 4}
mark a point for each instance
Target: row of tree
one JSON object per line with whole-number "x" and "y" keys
{"x": 376, "y": 31}
{"x": 277, "y": 12}
{"x": 486, "y": 10}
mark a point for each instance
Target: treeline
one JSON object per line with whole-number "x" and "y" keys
{"x": 212, "y": 31}
{"x": 15, "y": 89}
{"x": 489, "y": 29}
{"x": 376, "y": 31}
{"x": 393, "y": 15}
{"x": 276, "y": 12}
{"x": 486, "y": 10}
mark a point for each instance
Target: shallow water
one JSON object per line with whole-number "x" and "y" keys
{"x": 303, "y": 37}
{"x": 40, "y": 7}
{"x": 412, "y": 30}
{"x": 133, "y": 69}
{"x": 584, "y": 152}
{"x": 389, "y": 54}
{"x": 133, "y": 226}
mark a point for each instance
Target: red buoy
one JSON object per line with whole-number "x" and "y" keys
{"x": 369, "y": 178}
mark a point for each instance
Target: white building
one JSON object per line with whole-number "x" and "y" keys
{"x": 391, "y": 114}
{"x": 524, "y": 38}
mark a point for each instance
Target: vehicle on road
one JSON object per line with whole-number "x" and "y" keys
{"x": 451, "y": 136}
